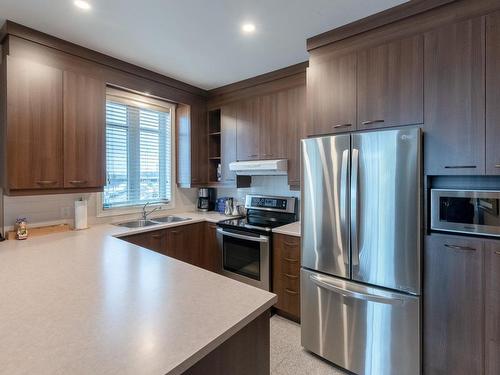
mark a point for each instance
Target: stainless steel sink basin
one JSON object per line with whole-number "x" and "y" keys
{"x": 169, "y": 219}
{"x": 137, "y": 223}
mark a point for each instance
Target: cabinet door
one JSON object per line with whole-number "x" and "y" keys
{"x": 272, "y": 131}
{"x": 331, "y": 95}
{"x": 455, "y": 99}
{"x": 84, "y": 127}
{"x": 391, "y": 84}
{"x": 154, "y": 240}
{"x": 453, "y": 305}
{"x": 492, "y": 345}
{"x": 248, "y": 129}
{"x": 493, "y": 94}
{"x": 292, "y": 128}
{"x": 198, "y": 144}
{"x": 183, "y": 243}
{"x": 34, "y": 125}
{"x": 211, "y": 258}
{"x": 286, "y": 274}
{"x": 228, "y": 141}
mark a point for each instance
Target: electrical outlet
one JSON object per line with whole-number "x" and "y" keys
{"x": 65, "y": 212}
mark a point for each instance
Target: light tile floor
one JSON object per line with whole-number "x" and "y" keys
{"x": 287, "y": 355}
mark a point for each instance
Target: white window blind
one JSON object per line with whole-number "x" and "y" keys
{"x": 138, "y": 152}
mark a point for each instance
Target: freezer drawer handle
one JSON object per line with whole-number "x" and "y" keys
{"x": 242, "y": 237}
{"x": 456, "y": 247}
{"x": 319, "y": 281}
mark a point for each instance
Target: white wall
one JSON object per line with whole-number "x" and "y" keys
{"x": 59, "y": 208}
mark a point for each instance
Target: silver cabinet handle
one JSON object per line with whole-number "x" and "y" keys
{"x": 460, "y": 166}
{"x": 243, "y": 237}
{"x": 252, "y": 156}
{"x": 497, "y": 165}
{"x": 497, "y": 252}
{"x": 78, "y": 182}
{"x": 456, "y": 247}
{"x": 319, "y": 281}
{"x": 341, "y": 126}
{"x": 344, "y": 176}
{"x": 266, "y": 155}
{"x": 370, "y": 122}
{"x": 354, "y": 206}
{"x": 46, "y": 182}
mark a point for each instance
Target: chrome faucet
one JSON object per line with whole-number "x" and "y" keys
{"x": 145, "y": 213}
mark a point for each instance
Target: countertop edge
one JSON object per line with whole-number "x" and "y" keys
{"x": 196, "y": 357}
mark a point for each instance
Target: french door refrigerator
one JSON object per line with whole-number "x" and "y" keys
{"x": 361, "y": 250}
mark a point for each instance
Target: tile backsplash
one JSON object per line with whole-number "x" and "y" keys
{"x": 51, "y": 209}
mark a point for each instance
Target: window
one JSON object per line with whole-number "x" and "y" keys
{"x": 138, "y": 150}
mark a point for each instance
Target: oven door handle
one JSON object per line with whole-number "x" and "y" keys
{"x": 243, "y": 237}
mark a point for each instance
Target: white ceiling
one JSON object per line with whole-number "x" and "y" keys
{"x": 195, "y": 41}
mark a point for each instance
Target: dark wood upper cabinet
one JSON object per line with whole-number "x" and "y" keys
{"x": 492, "y": 304}
{"x": 228, "y": 141}
{"x": 84, "y": 131}
{"x": 390, "y": 84}
{"x": 453, "y": 318}
{"x": 34, "y": 127}
{"x": 292, "y": 124}
{"x": 272, "y": 129}
{"x": 248, "y": 129}
{"x": 331, "y": 95}
{"x": 493, "y": 94}
{"x": 455, "y": 99}
{"x": 191, "y": 145}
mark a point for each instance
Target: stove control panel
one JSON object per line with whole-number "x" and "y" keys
{"x": 271, "y": 203}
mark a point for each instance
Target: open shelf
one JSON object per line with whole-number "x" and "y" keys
{"x": 214, "y": 144}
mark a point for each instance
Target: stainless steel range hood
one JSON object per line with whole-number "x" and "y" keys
{"x": 277, "y": 167}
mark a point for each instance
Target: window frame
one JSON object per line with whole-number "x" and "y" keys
{"x": 143, "y": 101}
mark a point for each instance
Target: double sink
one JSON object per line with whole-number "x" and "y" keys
{"x": 140, "y": 223}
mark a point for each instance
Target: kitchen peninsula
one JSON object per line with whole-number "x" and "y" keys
{"x": 87, "y": 302}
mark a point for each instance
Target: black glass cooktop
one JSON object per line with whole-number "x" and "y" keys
{"x": 258, "y": 221}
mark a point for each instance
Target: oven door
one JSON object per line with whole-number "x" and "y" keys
{"x": 466, "y": 211}
{"x": 245, "y": 257}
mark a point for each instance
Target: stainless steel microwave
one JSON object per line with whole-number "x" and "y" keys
{"x": 466, "y": 211}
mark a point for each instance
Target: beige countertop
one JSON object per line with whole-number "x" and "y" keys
{"x": 86, "y": 302}
{"x": 292, "y": 229}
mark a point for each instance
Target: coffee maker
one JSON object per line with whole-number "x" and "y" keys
{"x": 206, "y": 199}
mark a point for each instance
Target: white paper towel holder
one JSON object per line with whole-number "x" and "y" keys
{"x": 81, "y": 214}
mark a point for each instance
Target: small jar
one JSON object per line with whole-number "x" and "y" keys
{"x": 21, "y": 228}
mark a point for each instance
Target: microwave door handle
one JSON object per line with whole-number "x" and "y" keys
{"x": 354, "y": 207}
{"x": 344, "y": 199}
{"x": 243, "y": 237}
{"x": 320, "y": 282}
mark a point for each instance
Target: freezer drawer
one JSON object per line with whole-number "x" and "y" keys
{"x": 365, "y": 330}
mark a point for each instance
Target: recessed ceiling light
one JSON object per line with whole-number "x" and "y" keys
{"x": 82, "y": 4}
{"x": 248, "y": 28}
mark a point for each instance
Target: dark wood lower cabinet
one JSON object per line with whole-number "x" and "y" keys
{"x": 154, "y": 240}
{"x": 195, "y": 244}
{"x": 247, "y": 352}
{"x": 211, "y": 257}
{"x": 286, "y": 275}
{"x": 453, "y": 337}
{"x": 492, "y": 306}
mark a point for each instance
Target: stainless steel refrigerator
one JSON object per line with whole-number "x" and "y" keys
{"x": 361, "y": 250}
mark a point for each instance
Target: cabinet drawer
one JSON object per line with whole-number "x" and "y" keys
{"x": 291, "y": 281}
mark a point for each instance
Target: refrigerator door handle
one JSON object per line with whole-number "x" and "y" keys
{"x": 354, "y": 207}
{"x": 344, "y": 203}
{"x": 322, "y": 283}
